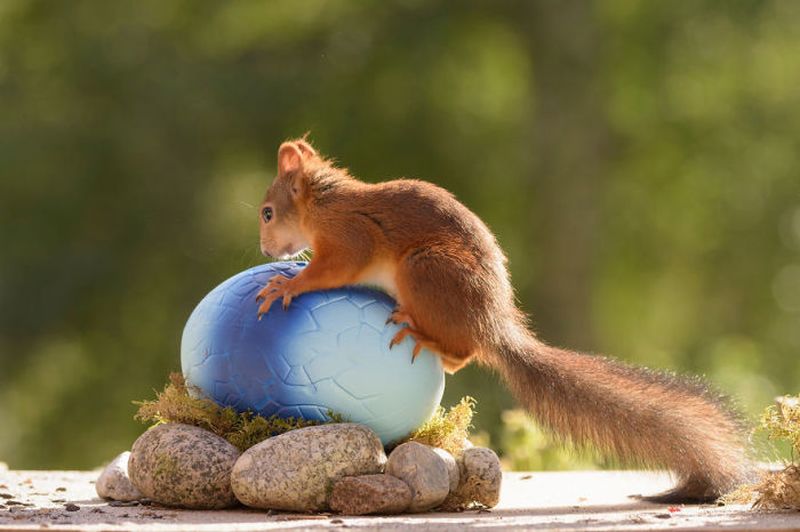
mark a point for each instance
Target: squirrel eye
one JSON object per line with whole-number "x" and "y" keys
{"x": 266, "y": 214}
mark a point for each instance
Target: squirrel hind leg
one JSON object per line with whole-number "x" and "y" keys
{"x": 420, "y": 341}
{"x": 400, "y": 316}
{"x": 453, "y": 364}
{"x": 438, "y": 293}
{"x": 450, "y": 363}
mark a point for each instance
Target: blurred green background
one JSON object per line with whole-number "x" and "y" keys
{"x": 637, "y": 160}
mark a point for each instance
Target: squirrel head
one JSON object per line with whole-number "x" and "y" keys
{"x": 281, "y": 213}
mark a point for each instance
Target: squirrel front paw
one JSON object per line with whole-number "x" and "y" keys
{"x": 277, "y": 287}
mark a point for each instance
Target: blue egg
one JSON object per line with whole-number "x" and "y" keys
{"x": 328, "y": 352}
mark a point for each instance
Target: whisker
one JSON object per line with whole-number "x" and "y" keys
{"x": 250, "y": 255}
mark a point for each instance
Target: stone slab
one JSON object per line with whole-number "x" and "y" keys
{"x": 591, "y": 500}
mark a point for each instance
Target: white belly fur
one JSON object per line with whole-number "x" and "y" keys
{"x": 381, "y": 275}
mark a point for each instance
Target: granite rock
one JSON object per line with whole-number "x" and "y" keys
{"x": 295, "y": 471}
{"x": 424, "y": 471}
{"x": 453, "y": 469}
{"x": 114, "y": 482}
{"x": 370, "y": 494}
{"x": 184, "y": 466}
{"x": 481, "y": 479}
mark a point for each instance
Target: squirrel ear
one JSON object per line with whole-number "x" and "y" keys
{"x": 305, "y": 148}
{"x": 290, "y": 158}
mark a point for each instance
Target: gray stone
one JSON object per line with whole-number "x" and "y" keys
{"x": 453, "y": 471}
{"x": 184, "y": 466}
{"x": 296, "y": 470}
{"x": 424, "y": 471}
{"x": 481, "y": 479}
{"x": 370, "y": 494}
{"x": 114, "y": 482}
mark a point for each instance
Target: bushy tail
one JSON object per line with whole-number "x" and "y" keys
{"x": 640, "y": 416}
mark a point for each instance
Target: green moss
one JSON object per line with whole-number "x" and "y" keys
{"x": 782, "y": 422}
{"x": 449, "y": 429}
{"x": 166, "y": 466}
{"x": 178, "y": 404}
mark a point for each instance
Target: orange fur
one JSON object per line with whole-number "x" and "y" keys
{"x": 449, "y": 276}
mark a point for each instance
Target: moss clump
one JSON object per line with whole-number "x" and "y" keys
{"x": 776, "y": 489}
{"x": 449, "y": 429}
{"x": 781, "y": 421}
{"x": 779, "y": 489}
{"x": 177, "y": 403}
{"x": 243, "y": 429}
{"x": 254, "y": 429}
{"x": 744, "y": 494}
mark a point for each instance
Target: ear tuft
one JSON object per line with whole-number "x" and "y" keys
{"x": 305, "y": 147}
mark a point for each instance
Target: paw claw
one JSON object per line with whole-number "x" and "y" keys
{"x": 275, "y": 288}
{"x": 399, "y": 316}
{"x": 420, "y": 341}
{"x": 415, "y": 353}
{"x": 401, "y": 334}
{"x": 264, "y": 308}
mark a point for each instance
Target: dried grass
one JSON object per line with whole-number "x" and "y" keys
{"x": 776, "y": 490}
{"x": 449, "y": 429}
{"x": 179, "y": 403}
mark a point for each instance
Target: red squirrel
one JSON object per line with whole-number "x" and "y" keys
{"x": 448, "y": 274}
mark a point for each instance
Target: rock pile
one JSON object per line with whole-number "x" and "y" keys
{"x": 340, "y": 467}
